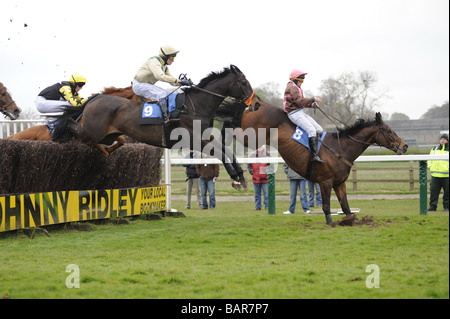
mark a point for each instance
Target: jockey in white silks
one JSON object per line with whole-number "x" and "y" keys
{"x": 156, "y": 69}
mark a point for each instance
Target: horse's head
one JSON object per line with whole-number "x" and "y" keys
{"x": 241, "y": 89}
{"x": 7, "y": 105}
{"x": 388, "y": 138}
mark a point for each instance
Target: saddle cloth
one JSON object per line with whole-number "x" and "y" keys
{"x": 150, "y": 112}
{"x": 301, "y": 137}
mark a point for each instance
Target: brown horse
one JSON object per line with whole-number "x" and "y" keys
{"x": 106, "y": 117}
{"x": 7, "y": 105}
{"x": 339, "y": 150}
{"x": 42, "y": 132}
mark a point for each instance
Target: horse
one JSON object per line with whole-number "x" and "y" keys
{"x": 42, "y": 132}
{"x": 7, "y": 105}
{"x": 105, "y": 118}
{"x": 339, "y": 150}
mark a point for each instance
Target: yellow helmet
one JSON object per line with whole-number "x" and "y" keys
{"x": 167, "y": 51}
{"x": 77, "y": 78}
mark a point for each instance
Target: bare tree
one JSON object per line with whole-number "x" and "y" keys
{"x": 350, "y": 96}
{"x": 436, "y": 112}
{"x": 271, "y": 93}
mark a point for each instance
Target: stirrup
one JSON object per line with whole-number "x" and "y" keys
{"x": 317, "y": 159}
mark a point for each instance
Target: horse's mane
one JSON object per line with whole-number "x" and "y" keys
{"x": 122, "y": 92}
{"x": 356, "y": 127}
{"x": 214, "y": 76}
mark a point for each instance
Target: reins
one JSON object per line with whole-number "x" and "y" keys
{"x": 338, "y": 155}
{"x": 246, "y": 101}
{"x": 381, "y": 130}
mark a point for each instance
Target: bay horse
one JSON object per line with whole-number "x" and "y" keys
{"x": 339, "y": 150}
{"x": 105, "y": 118}
{"x": 42, "y": 132}
{"x": 7, "y": 105}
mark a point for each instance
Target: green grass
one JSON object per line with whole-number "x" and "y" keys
{"x": 234, "y": 252}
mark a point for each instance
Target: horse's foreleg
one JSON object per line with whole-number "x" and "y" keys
{"x": 235, "y": 165}
{"x": 325, "y": 191}
{"x": 341, "y": 194}
{"x": 102, "y": 149}
{"x": 120, "y": 141}
{"x": 218, "y": 153}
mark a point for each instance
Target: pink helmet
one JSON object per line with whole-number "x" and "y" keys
{"x": 296, "y": 73}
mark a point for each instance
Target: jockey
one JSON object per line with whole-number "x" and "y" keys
{"x": 156, "y": 69}
{"x": 56, "y": 97}
{"x": 293, "y": 104}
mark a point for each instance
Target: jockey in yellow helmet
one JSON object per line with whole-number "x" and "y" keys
{"x": 56, "y": 97}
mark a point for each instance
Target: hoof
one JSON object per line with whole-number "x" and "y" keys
{"x": 329, "y": 219}
{"x": 236, "y": 185}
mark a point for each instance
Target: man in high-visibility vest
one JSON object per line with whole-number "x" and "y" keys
{"x": 439, "y": 175}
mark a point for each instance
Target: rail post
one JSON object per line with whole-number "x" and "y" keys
{"x": 423, "y": 186}
{"x": 168, "y": 178}
{"x": 271, "y": 188}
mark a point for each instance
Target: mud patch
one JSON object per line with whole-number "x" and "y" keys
{"x": 352, "y": 220}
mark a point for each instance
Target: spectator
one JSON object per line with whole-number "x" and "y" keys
{"x": 259, "y": 178}
{"x": 314, "y": 190}
{"x": 192, "y": 180}
{"x": 296, "y": 182}
{"x": 439, "y": 175}
{"x": 208, "y": 175}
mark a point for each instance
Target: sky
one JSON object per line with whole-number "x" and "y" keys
{"x": 405, "y": 43}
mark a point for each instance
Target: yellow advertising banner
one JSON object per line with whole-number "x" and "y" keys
{"x": 40, "y": 209}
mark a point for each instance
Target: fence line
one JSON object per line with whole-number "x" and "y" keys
{"x": 167, "y": 161}
{"x": 8, "y": 127}
{"x": 370, "y": 158}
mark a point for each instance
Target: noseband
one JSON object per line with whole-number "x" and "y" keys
{"x": 393, "y": 143}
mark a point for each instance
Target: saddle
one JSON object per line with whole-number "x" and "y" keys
{"x": 150, "y": 111}
{"x": 301, "y": 137}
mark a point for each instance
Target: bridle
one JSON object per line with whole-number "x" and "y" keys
{"x": 3, "y": 108}
{"x": 393, "y": 142}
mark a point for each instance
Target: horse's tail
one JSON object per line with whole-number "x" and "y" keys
{"x": 62, "y": 131}
{"x": 65, "y": 128}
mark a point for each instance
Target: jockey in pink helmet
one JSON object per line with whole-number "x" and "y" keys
{"x": 293, "y": 105}
{"x": 295, "y": 74}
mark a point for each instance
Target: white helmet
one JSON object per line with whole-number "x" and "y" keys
{"x": 167, "y": 51}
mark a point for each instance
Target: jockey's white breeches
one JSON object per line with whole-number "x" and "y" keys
{"x": 149, "y": 91}
{"x": 306, "y": 122}
{"x": 50, "y": 106}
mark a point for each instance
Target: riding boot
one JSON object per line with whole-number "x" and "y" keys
{"x": 163, "y": 104}
{"x": 313, "y": 145}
